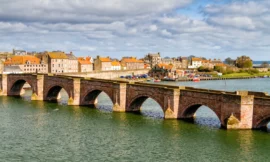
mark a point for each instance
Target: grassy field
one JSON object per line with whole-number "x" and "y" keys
{"x": 245, "y": 74}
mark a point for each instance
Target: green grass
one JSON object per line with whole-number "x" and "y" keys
{"x": 245, "y": 74}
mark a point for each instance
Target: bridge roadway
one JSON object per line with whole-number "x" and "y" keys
{"x": 235, "y": 110}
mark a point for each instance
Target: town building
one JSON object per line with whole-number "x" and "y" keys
{"x": 116, "y": 65}
{"x": 5, "y": 55}
{"x": 167, "y": 60}
{"x": 27, "y": 64}
{"x": 58, "y": 62}
{"x": 153, "y": 59}
{"x": 132, "y": 63}
{"x": 72, "y": 64}
{"x": 195, "y": 63}
{"x": 102, "y": 64}
{"x": 162, "y": 71}
{"x": 19, "y": 52}
{"x": 184, "y": 61}
{"x": 1, "y": 66}
{"x": 85, "y": 64}
{"x": 216, "y": 62}
{"x": 147, "y": 66}
{"x": 15, "y": 69}
{"x": 207, "y": 64}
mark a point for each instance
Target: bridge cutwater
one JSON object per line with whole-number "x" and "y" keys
{"x": 235, "y": 110}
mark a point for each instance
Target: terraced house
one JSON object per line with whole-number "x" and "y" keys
{"x": 102, "y": 64}
{"x": 85, "y": 64}
{"x": 132, "y": 63}
{"x": 28, "y": 64}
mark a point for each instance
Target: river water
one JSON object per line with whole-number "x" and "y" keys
{"x": 43, "y": 131}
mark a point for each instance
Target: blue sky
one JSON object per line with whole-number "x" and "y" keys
{"x": 116, "y": 28}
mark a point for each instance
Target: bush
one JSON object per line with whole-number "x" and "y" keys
{"x": 203, "y": 69}
{"x": 253, "y": 71}
{"x": 241, "y": 71}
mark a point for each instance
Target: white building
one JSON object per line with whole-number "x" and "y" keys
{"x": 116, "y": 65}
{"x": 195, "y": 63}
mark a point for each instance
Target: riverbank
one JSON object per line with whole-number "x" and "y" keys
{"x": 243, "y": 75}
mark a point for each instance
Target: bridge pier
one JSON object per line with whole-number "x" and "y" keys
{"x": 119, "y": 97}
{"x": 246, "y": 113}
{"x": 3, "y": 91}
{"x": 172, "y": 105}
{"x": 74, "y": 99}
{"x": 38, "y": 92}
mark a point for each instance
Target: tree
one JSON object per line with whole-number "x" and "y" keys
{"x": 244, "y": 62}
{"x": 229, "y": 61}
{"x": 265, "y": 64}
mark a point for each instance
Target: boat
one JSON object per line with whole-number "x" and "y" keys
{"x": 196, "y": 79}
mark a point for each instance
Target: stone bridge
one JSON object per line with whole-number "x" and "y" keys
{"x": 235, "y": 110}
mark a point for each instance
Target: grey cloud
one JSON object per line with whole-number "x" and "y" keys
{"x": 116, "y": 30}
{"x": 83, "y": 10}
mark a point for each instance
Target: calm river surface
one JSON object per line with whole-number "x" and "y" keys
{"x": 42, "y": 131}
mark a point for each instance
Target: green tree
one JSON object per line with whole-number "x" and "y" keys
{"x": 229, "y": 61}
{"x": 244, "y": 62}
{"x": 265, "y": 64}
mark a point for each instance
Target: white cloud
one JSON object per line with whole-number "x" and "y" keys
{"x": 83, "y": 10}
{"x": 153, "y": 28}
{"x": 164, "y": 32}
{"x": 125, "y": 27}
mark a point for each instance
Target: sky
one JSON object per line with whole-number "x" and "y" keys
{"x": 117, "y": 28}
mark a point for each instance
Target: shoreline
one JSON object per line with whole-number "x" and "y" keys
{"x": 218, "y": 78}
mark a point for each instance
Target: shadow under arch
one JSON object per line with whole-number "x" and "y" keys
{"x": 98, "y": 99}
{"x": 263, "y": 124}
{"x": 202, "y": 115}
{"x": 146, "y": 106}
{"x": 55, "y": 93}
{"x": 19, "y": 88}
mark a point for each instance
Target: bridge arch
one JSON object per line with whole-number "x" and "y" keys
{"x": 137, "y": 102}
{"x": 90, "y": 97}
{"x": 262, "y": 124}
{"x": 17, "y": 86}
{"x": 53, "y": 93}
{"x": 189, "y": 112}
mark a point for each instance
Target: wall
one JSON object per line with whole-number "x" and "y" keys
{"x": 109, "y": 74}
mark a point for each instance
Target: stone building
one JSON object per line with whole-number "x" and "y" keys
{"x": 153, "y": 59}
{"x": 19, "y": 52}
{"x": 58, "y": 62}
{"x": 162, "y": 71}
{"x": 102, "y": 64}
{"x": 195, "y": 63}
{"x": 85, "y": 64}
{"x": 132, "y": 63}
{"x": 14, "y": 69}
{"x": 28, "y": 64}
{"x": 167, "y": 60}
{"x": 1, "y": 67}
{"x": 116, "y": 65}
{"x": 184, "y": 62}
{"x": 72, "y": 66}
{"x": 207, "y": 64}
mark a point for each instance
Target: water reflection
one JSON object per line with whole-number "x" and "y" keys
{"x": 62, "y": 97}
{"x": 151, "y": 108}
{"x": 104, "y": 102}
{"x": 26, "y": 94}
{"x": 204, "y": 116}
